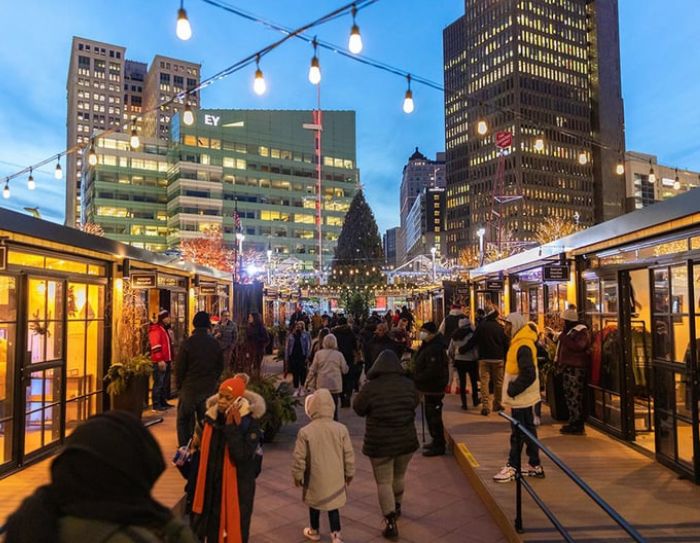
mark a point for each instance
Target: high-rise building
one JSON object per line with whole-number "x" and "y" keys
{"x": 107, "y": 91}
{"x": 418, "y": 173}
{"x": 648, "y": 182}
{"x": 547, "y": 74}
{"x": 424, "y": 224}
{"x": 390, "y": 238}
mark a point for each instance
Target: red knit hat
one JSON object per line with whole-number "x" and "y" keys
{"x": 235, "y": 386}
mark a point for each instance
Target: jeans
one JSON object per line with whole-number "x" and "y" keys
{"x": 525, "y": 417}
{"x": 350, "y": 381}
{"x": 336, "y": 402}
{"x": 433, "y": 417}
{"x": 574, "y": 380}
{"x": 189, "y": 410}
{"x": 298, "y": 369}
{"x": 167, "y": 382}
{"x": 389, "y": 474}
{"x": 491, "y": 371}
{"x": 158, "y": 392}
{"x": 333, "y": 519}
{"x": 463, "y": 368}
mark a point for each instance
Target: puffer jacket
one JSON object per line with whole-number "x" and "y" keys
{"x": 521, "y": 385}
{"x": 489, "y": 338}
{"x": 81, "y": 529}
{"x": 431, "y": 367}
{"x": 327, "y": 370}
{"x": 323, "y": 458}
{"x": 389, "y": 401}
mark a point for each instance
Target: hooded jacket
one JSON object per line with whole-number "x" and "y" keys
{"x": 431, "y": 372}
{"x": 451, "y": 323}
{"x": 199, "y": 364}
{"x": 389, "y": 401}
{"x": 521, "y": 385}
{"x": 461, "y": 337}
{"x": 323, "y": 458}
{"x": 574, "y": 348}
{"x": 327, "y": 370}
{"x": 489, "y": 338}
{"x": 378, "y": 344}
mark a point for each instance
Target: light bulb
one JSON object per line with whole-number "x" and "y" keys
{"x": 58, "y": 172}
{"x": 482, "y": 128}
{"x": 6, "y": 191}
{"x": 183, "y": 28}
{"x": 582, "y": 158}
{"x": 188, "y": 116}
{"x": 620, "y": 168}
{"x": 315, "y": 71}
{"x": 408, "y": 105}
{"x": 677, "y": 185}
{"x": 259, "y": 85}
{"x": 134, "y": 141}
{"x": 652, "y": 176}
{"x": 539, "y": 144}
{"x": 355, "y": 42}
{"x": 92, "y": 156}
{"x": 31, "y": 184}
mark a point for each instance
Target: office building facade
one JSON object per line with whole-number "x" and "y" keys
{"x": 548, "y": 75}
{"x": 424, "y": 224}
{"x": 390, "y": 240}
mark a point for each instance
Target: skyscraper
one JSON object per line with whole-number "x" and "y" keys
{"x": 107, "y": 91}
{"x": 546, "y": 74}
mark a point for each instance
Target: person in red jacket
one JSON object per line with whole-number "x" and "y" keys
{"x": 573, "y": 358}
{"x": 161, "y": 356}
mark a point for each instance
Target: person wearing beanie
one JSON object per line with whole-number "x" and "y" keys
{"x": 199, "y": 365}
{"x": 573, "y": 357}
{"x": 230, "y": 458}
{"x": 161, "y": 344}
{"x": 431, "y": 374}
{"x": 521, "y": 392}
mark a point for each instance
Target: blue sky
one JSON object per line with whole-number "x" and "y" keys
{"x": 661, "y": 76}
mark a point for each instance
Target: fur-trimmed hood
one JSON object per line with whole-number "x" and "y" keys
{"x": 256, "y": 401}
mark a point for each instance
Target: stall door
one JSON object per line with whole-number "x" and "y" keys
{"x": 43, "y": 365}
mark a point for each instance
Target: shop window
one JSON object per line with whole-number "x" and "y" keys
{"x": 60, "y": 264}
{"x": 29, "y": 260}
{"x": 45, "y": 320}
{"x": 8, "y": 329}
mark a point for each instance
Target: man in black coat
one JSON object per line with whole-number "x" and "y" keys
{"x": 431, "y": 374}
{"x": 389, "y": 401}
{"x": 347, "y": 345}
{"x": 197, "y": 371}
{"x": 380, "y": 341}
{"x": 450, "y": 324}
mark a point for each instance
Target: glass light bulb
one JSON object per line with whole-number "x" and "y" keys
{"x": 259, "y": 85}
{"x": 620, "y": 169}
{"x": 315, "y": 71}
{"x": 482, "y": 128}
{"x": 583, "y": 159}
{"x": 58, "y": 172}
{"x": 183, "y": 28}
{"x": 6, "y": 191}
{"x": 408, "y": 105}
{"x": 134, "y": 141}
{"x": 188, "y": 117}
{"x": 355, "y": 42}
{"x": 677, "y": 185}
{"x": 652, "y": 177}
{"x": 31, "y": 184}
{"x": 92, "y": 157}
{"x": 539, "y": 144}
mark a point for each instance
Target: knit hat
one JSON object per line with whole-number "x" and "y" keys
{"x": 162, "y": 314}
{"x": 201, "y": 320}
{"x": 429, "y": 327}
{"x": 235, "y": 385}
{"x": 570, "y": 315}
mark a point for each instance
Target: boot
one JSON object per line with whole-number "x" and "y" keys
{"x": 391, "y": 530}
{"x": 398, "y": 510}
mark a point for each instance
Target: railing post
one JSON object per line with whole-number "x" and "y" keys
{"x": 518, "y": 481}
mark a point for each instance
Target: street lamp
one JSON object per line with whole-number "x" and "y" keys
{"x": 481, "y": 232}
{"x": 433, "y": 250}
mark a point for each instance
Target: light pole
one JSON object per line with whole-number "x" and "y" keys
{"x": 433, "y": 250}
{"x": 269, "y": 261}
{"x": 481, "y": 232}
{"x": 240, "y": 237}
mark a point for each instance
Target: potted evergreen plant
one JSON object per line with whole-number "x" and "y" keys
{"x": 280, "y": 404}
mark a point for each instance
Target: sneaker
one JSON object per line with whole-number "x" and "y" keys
{"x": 336, "y": 537}
{"x": 311, "y": 534}
{"x": 436, "y": 451}
{"x": 506, "y": 475}
{"x": 391, "y": 530}
{"x": 398, "y": 510}
{"x": 485, "y": 411}
{"x": 535, "y": 471}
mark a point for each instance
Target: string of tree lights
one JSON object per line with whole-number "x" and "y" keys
{"x": 355, "y": 46}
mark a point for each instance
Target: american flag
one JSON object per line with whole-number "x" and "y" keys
{"x": 236, "y": 218}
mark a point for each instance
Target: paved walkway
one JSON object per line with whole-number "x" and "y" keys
{"x": 652, "y": 498}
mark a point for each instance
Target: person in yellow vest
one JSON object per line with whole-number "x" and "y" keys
{"x": 521, "y": 391}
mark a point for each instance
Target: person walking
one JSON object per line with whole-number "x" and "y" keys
{"x": 226, "y": 333}
{"x": 465, "y": 364}
{"x": 229, "y": 448}
{"x": 323, "y": 464}
{"x": 573, "y": 357}
{"x": 389, "y": 400}
{"x": 327, "y": 370}
{"x": 379, "y": 342}
{"x": 296, "y": 354}
{"x": 450, "y": 323}
{"x": 161, "y": 356}
{"x": 100, "y": 490}
{"x": 492, "y": 344}
{"x": 256, "y": 339}
{"x": 200, "y": 363}
{"x": 431, "y": 374}
{"x": 347, "y": 345}
{"x": 317, "y": 342}
{"x": 521, "y": 392}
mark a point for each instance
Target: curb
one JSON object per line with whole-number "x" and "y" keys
{"x": 467, "y": 463}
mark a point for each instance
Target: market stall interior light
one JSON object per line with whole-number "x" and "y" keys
{"x": 92, "y": 155}
{"x": 188, "y": 116}
{"x": 482, "y": 128}
{"x": 183, "y": 28}
{"x": 355, "y": 41}
{"x": 58, "y": 172}
{"x": 259, "y": 85}
{"x": 408, "y": 105}
{"x": 315, "y": 68}
{"x": 31, "y": 184}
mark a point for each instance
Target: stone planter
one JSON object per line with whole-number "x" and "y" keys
{"x": 132, "y": 399}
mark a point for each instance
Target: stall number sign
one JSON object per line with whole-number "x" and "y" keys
{"x": 207, "y": 288}
{"x": 3, "y": 258}
{"x": 494, "y": 284}
{"x": 556, "y": 273}
{"x": 143, "y": 279}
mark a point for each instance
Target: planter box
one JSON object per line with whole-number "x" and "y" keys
{"x": 132, "y": 399}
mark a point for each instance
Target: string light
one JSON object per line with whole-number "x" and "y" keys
{"x": 677, "y": 183}
{"x": 583, "y": 158}
{"x": 134, "y": 140}
{"x": 620, "y": 168}
{"x": 259, "y": 85}
{"x": 315, "y": 68}
{"x": 652, "y": 175}
{"x": 188, "y": 116}
{"x": 355, "y": 41}
{"x": 6, "y": 190}
{"x": 408, "y": 105}
{"x": 539, "y": 144}
{"x": 183, "y": 28}
{"x": 58, "y": 172}
{"x": 31, "y": 184}
{"x": 92, "y": 155}
{"x": 482, "y": 128}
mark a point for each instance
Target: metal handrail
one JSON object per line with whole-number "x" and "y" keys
{"x": 520, "y": 483}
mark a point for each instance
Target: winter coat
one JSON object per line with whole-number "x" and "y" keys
{"x": 81, "y": 529}
{"x": 323, "y": 458}
{"x": 489, "y": 338}
{"x": 521, "y": 385}
{"x": 574, "y": 348}
{"x": 199, "y": 365}
{"x": 458, "y": 340}
{"x": 431, "y": 373}
{"x": 305, "y": 339}
{"x": 451, "y": 323}
{"x": 389, "y": 401}
{"x": 327, "y": 370}
{"x": 159, "y": 340}
{"x": 377, "y": 345}
{"x": 347, "y": 342}
{"x": 226, "y": 334}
